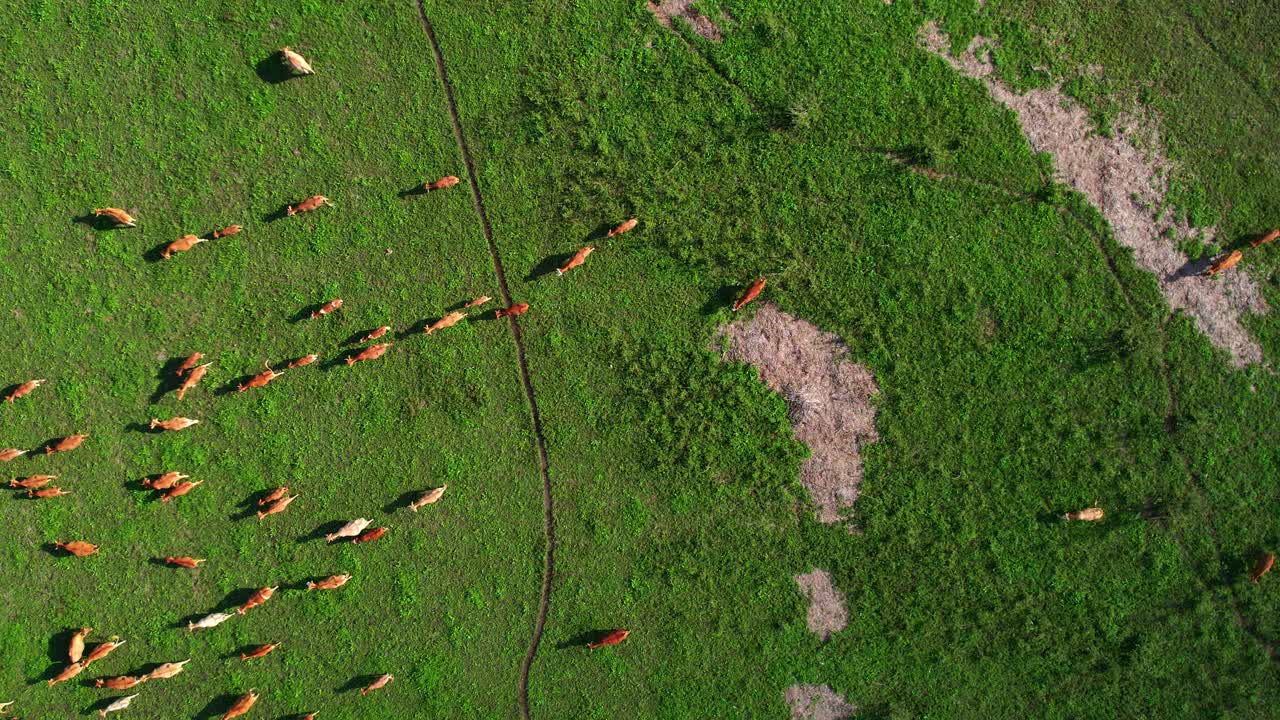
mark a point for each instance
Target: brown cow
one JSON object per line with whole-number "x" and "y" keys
{"x": 330, "y": 583}
{"x": 1269, "y": 237}
{"x": 327, "y": 308}
{"x": 256, "y": 599}
{"x": 70, "y": 442}
{"x": 312, "y": 203}
{"x": 183, "y": 561}
{"x": 173, "y": 424}
{"x": 75, "y": 649}
{"x": 447, "y": 181}
{"x": 1089, "y": 514}
{"x": 196, "y": 375}
{"x": 121, "y": 217}
{"x": 370, "y": 535}
{"x": 378, "y": 684}
{"x": 124, "y": 682}
{"x": 477, "y": 302}
{"x": 1262, "y": 567}
{"x": 613, "y": 637}
{"x": 294, "y": 62}
{"x": 303, "y": 361}
{"x": 100, "y": 651}
{"x": 49, "y": 492}
{"x": 165, "y": 671}
{"x": 1224, "y": 263}
{"x": 79, "y": 548}
{"x": 32, "y": 481}
{"x": 277, "y": 506}
{"x": 428, "y": 498}
{"x": 165, "y": 481}
{"x": 261, "y": 379}
{"x": 752, "y": 293}
{"x": 373, "y": 352}
{"x": 227, "y": 231}
{"x": 447, "y": 321}
{"x": 179, "y": 490}
{"x": 513, "y": 311}
{"x": 10, "y": 454}
{"x": 189, "y": 363}
{"x": 69, "y": 672}
{"x": 624, "y": 227}
{"x": 376, "y": 334}
{"x": 273, "y": 496}
{"x": 577, "y": 259}
{"x": 242, "y": 705}
{"x": 182, "y": 244}
{"x": 24, "y": 389}
{"x": 260, "y": 651}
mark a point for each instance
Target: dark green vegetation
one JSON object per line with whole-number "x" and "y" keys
{"x": 1020, "y": 376}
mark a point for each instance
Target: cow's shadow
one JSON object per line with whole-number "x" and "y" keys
{"x": 548, "y": 266}
{"x": 217, "y": 707}
{"x": 271, "y": 69}
{"x": 320, "y": 533}
{"x": 357, "y": 683}
{"x": 167, "y": 379}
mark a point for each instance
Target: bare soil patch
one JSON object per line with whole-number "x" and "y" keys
{"x": 827, "y": 611}
{"x": 1128, "y": 187}
{"x": 666, "y": 10}
{"x": 817, "y": 702}
{"x": 828, "y": 396}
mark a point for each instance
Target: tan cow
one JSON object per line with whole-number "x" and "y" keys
{"x": 32, "y": 481}
{"x": 196, "y": 375}
{"x": 327, "y": 308}
{"x": 447, "y": 181}
{"x": 314, "y": 202}
{"x": 182, "y": 244}
{"x": 70, "y": 442}
{"x": 258, "y": 598}
{"x": 79, "y": 548}
{"x": 447, "y": 321}
{"x": 378, "y": 684}
{"x": 351, "y": 529}
{"x": 75, "y": 649}
{"x": 294, "y": 62}
{"x": 117, "y": 705}
{"x": 189, "y": 363}
{"x": 183, "y": 561}
{"x": 273, "y": 496}
{"x": 24, "y": 389}
{"x": 624, "y": 227}
{"x": 261, "y": 379}
{"x": 166, "y": 671}
{"x": 179, "y": 490}
{"x": 303, "y": 361}
{"x": 373, "y": 352}
{"x": 209, "y": 621}
{"x": 260, "y": 651}
{"x": 332, "y": 582}
{"x": 173, "y": 424}
{"x": 119, "y": 216}
{"x": 49, "y": 492}
{"x": 577, "y": 259}
{"x": 67, "y": 673}
{"x": 1224, "y": 263}
{"x": 277, "y": 506}
{"x": 376, "y": 334}
{"x": 1089, "y": 514}
{"x": 102, "y": 650}
{"x": 11, "y": 454}
{"x": 227, "y": 231}
{"x": 477, "y": 302}
{"x": 165, "y": 481}
{"x": 429, "y": 497}
{"x": 123, "y": 682}
{"x": 242, "y": 705}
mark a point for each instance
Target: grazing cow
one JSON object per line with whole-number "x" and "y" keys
{"x": 24, "y": 389}
{"x": 189, "y": 363}
{"x": 227, "y": 231}
{"x": 258, "y": 598}
{"x": 314, "y": 202}
{"x": 32, "y": 481}
{"x": 624, "y": 227}
{"x": 79, "y": 548}
{"x": 183, "y": 561}
{"x": 477, "y": 302}
{"x": 11, "y": 453}
{"x": 196, "y": 375}
{"x": 613, "y": 637}
{"x": 121, "y": 217}
{"x": 261, "y": 379}
{"x": 260, "y": 651}
{"x": 4, "y": 706}
{"x": 447, "y": 181}
{"x": 274, "y": 495}
{"x": 310, "y": 716}
{"x": 327, "y": 308}
{"x": 370, "y": 535}
{"x": 351, "y": 529}
{"x": 428, "y": 498}
{"x": 577, "y": 259}
{"x": 173, "y": 424}
{"x": 373, "y": 352}
{"x": 1269, "y": 237}
{"x": 67, "y": 673}
{"x": 179, "y": 490}
{"x": 752, "y": 293}
{"x": 447, "y": 321}
{"x": 1262, "y": 567}
{"x": 277, "y": 506}
{"x": 378, "y": 684}
{"x": 70, "y": 442}
{"x": 209, "y": 621}
{"x": 165, "y": 671}
{"x": 49, "y": 492}
{"x": 303, "y": 361}
{"x": 330, "y": 583}
{"x": 75, "y": 649}
{"x": 165, "y": 481}
{"x": 1224, "y": 263}
{"x": 117, "y": 705}
{"x": 514, "y": 311}
{"x": 295, "y": 63}
{"x": 182, "y": 244}
{"x": 242, "y": 705}
{"x": 123, "y": 682}
{"x": 1089, "y": 514}
{"x": 100, "y": 651}
{"x": 376, "y": 334}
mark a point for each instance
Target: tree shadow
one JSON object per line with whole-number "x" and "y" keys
{"x": 582, "y": 639}
{"x": 413, "y": 191}
{"x": 168, "y": 379}
{"x": 217, "y": 707}
{"x": 548, "y": 266}
{"x": 321, "y": 532}
{"x": 97, "y": 222}
{"x": 358, "y": 682}
{"x": 722, "y": 298}
{"x": 271, "y": 69}
{"x": 405, "y": 500}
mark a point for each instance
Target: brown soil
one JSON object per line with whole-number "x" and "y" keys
{"x": 817, "y": 702}
{"x": 827, "y": 612}
{"x": 829, "y": 398}
{"x": 1128, "y": 187}
{"x": 665, "y": 10}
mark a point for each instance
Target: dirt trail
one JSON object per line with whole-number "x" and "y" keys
{"x": 817, "y": 702}
{"x": 827, "y": 611}
{"x": 665, "y": 10}
{"x": 1128, "y": 187}
{"x": 548, "y": 520}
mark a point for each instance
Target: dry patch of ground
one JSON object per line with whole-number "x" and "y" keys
{"x": 828, "y": 396}
{"x": 827, "y": 611}
{"x": 817, "y": 702}
{"x": 666, "y": 10}
{"x": 1128, "y": 187}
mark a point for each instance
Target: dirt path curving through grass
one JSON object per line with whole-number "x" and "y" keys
{"x": 548, "y": 521}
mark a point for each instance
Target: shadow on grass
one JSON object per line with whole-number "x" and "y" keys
{"x": 271, "y": 69}
{"x": 356, "y": 683}
{"x": 722, "y": 299}
{"x": 581, "y": 640}
{"x": 413, "y": 191}
{"x": 322, "y": 532}
{"x": 97, "y": 222}
{"x": 155, "y": 254}
{"x": 217, "y": 707}
{"x": 279, "y": 214}
{"x": 103, "y": 703}
{"x": 167, "y": 379}
{"x": 305, "y": 313}
{"x": 548, "y": 266}
{"x": 405, "y": 500}
{"x": 1192, "y": 267}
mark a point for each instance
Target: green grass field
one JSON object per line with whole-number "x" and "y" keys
{"x": 1026, "y": 365}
